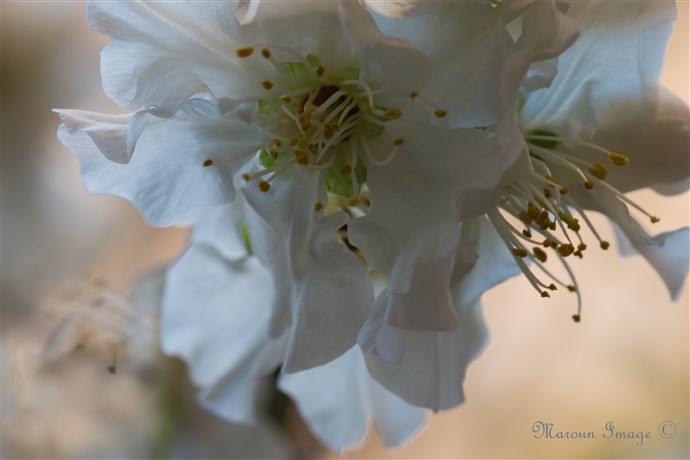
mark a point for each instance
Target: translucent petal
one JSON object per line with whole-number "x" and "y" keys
{"x": 324, "y": 293}
{"x": 342, "y": 422}
{"x": 166, "y": 178}
{"x": 212, "y": 317}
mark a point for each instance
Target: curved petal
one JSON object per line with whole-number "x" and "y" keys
{"x": 411, "y": 230}
{"x": 224, "y": 228}
{"x": 342, "y": 422}
{"x": 669, "y": 255}
{"x": 401, "y": 65}
{"x": 617, "y": 57}
{"x": 324, "y": 293}
{"x": 467, "y": 44}
{"x": 163, "y": 52}
{"x": 108, "y": 132}
{"x": 215, "y": 316}
{"x": 670, "y": 259}
{"x": 658, "y": 150}
{"x": 433, "y": 364}
{"x": 166, "y": 178}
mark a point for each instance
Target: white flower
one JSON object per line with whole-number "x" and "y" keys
{"x": 604, "y": 99}
{"x": 341, "y": 125}
{"x": 586, "y": 103}
{"x": 225, "y": 342}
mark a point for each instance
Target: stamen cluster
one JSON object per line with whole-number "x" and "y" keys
{"x": 543, "y": 204}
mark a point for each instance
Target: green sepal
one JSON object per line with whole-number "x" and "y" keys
{"x": 550, "y": 145}
{"x": 299, "y": 71}
{"x": 265, "y": 159}
{"x": 340, "y": 184}
{"x": 246, "y": 239}
{"x": 313, "y": 60}
{"x": 348, "y": 73}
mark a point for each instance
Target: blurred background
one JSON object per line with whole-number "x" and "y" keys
{"x": 82, "y": 376}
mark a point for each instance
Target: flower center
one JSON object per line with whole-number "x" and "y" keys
{"x": 543, "y": 206}
{"x": 318, "y": 119}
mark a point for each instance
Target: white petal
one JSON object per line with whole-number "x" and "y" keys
{"x": 222, "y": 227}
{"x": 433, "y": 364}
{"x": 411, "y": 231}
{"x": 251, "y": 11}
{"x": 323, "y": 290}
{"x": 166, "y": 178}
{"x": 215, "y": 316}
{"x": 617, "y": 57}
{"x": 466, "y": 44}
{"x": 669, "y": 255}
{"x": 342, "y": 422}
{"x": 163, "y": 52}
{"x": 108, "y": 132}
{"x": 658, "y": 148}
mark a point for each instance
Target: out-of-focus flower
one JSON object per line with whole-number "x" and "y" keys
{"x": 87, "y": 380}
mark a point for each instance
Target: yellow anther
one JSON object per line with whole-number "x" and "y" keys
{"x": 393, "y": 113}
{"x": 564, "y": 190}
{"x": 277, "y": 142}
{"x": 581, "y": 247}
{"x": 604, "y": 245}
{"x": 571, "y": 288}
{"x": 353, "y": 202}
{"x": 566, "y": 249}
{"x": 320, "y": 70}
{"x": 527, "y": 233}
{"x": 618, "y": 159}
{"x": 414, "y": 94}
{"x": 539, "y": 254}
{"x": 273, "y": 154}
{"x": 267, "y": 84}
{"x": 245, "y": 52}
{"x": 547, "y": 243}
{"x": 345, "y": 170}
{"x": 598, "y": 170}
{"x": 207, "y": 163}
{"x": 398, "y": 142}
{"x": 545, "y": 294}
{"x": 589, "y": 185}
{"x": 265, "y": 52}
{"x": 318, "y": 206}
{"x": 576, "y": 318}
{"x": 440, "y": 113}
{"x": 519, "y": 252}
{"x": 264, "y": 186}
{"x": 654, "y": 219}
{"x": 553, "y": 287}
{"x": 286, "y": 99}
{"x": 552, "y": 226}
{"x": 246, "y": 177}
{"x": 302, "y": 159}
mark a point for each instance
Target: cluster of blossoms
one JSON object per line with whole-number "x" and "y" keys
{"x": 358, "y": 174}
